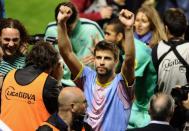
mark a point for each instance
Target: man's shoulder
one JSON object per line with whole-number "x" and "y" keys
{"x": 51, "y": 82}
{"x": 136, "y": 129}
{"x": 163, "y": 43}
{"x": 154, "y": 127}
{"x": 51, "y": 29}
{"x": 87, "y": 73}
{"x": 44, "y": 128}
{"x": 89, "y": 24}
{"x": 51, "y": 24}
{"x": 88, "y": 70}
{"x": 146, "y": 128}
{"x": 87, "y": 21}
{"x": 185, "y": 44}
{"x": 57, "y": 122}
{"x": 164, "y": 47}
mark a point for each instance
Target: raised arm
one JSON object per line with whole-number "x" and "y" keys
{"x": 127, "y": 18}
{"x": 64, "y": 43}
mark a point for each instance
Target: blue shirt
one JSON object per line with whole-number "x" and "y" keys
{"x": 7, "y": 65}
{"x": 109, "y": 105}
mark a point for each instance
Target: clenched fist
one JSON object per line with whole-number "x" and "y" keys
{"x": 64, "y": 14}
{"x": 127, "y": 18}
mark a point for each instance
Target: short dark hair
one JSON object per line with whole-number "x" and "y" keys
{"x": 163, "y": 111}
{"x": 13, "y": 23}
{"x": 104, "y": 45}
{"x": 74, "y": 15}
{"x": 118, "y": 26}
{"x": 43, "y": 56}
{"x": 176, "y": 21}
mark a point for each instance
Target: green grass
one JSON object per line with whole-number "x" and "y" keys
{"x": 34, "y": 14}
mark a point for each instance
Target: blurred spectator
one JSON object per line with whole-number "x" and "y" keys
{"x": 99, "y": 10}
{"x": 2, "y": 9}
{"x": 93, "y": 9}
{"x": 170, "y": 70}
{"x": 161, "y": 110}
{"x": 163, "y": 5}
{"x": 13, "y": 41}
{"x": 181, "y": 115}
{"x": 145, "y": 73}
{"x": 148, "y": 26}
{"x": 29, "y": 95}
{"x": 81, "y": 33}
{"x": 71, "y": 111}
{"x": 133, "y": 5}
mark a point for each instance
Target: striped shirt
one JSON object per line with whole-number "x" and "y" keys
{"x": 8, "y": 65}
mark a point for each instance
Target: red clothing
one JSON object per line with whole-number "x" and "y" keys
{"x": 82, "y": 5}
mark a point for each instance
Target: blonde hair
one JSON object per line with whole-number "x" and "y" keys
{"x": 156, "y": 25}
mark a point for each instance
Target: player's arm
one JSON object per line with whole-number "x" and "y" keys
{"x": 127, "y": 18}
{"x": 64, "y": 43}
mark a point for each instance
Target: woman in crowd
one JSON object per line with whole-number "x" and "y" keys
{"x": 148, "y": 26}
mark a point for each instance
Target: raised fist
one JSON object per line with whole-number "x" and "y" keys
{"x": 127, "y": 18}
{"x": 64, "y": 14}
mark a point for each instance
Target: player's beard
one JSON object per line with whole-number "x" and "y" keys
{"x": 107, "y": 72}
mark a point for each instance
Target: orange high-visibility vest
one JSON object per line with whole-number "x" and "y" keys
{"x": 50, "y": 125}
{"x": 22, "y": 107}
